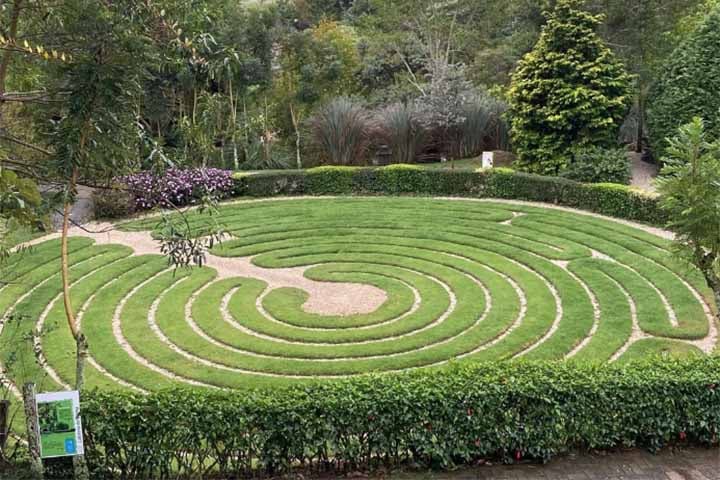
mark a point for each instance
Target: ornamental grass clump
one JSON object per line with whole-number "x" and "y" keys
{"x": 340, "y": 132}
{"x": 177, "y": 187}
{"x": 399, "y": 127}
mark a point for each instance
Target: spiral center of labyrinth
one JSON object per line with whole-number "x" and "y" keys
{"x": 319, "y": 289}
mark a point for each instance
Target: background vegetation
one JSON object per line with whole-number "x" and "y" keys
{"x": 248, "y": 85}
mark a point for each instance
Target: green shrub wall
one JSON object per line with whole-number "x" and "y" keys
{"x": 608, "y": 199}
{"x": 431, "y": 418}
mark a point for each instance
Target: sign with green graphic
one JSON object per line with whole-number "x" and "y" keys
{"x": 59, "y": 422}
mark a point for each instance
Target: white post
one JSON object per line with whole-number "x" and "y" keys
{"x": 488, "y": 159}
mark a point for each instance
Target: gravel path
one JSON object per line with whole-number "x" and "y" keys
{"x": 643, "y": 173}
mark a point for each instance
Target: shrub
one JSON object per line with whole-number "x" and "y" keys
{"x": 269, "y": 184}
{"x": 399, "y": 127}
{"x": 401, "y": 178}
{"x": 690, "y": 194}
{"x": 433, "y": 418}
{"x": 599, "y": 165}
{"x": 330, "y": 180}
{"x": 340, "y": 132}
{"x": 482, "y": 126}
{"x": 176, "y": 188}
{"x": 608, "y": 199}
{"x": 689, "y": 86}
{"x": 112, "y": 203}
{"x": 569, "y": 91}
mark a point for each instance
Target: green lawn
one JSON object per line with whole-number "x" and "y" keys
{"x": 463, "y": 164}
{"x": 464, "y": 281}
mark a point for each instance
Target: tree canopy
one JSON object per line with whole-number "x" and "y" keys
{"x": 689, "y": 84}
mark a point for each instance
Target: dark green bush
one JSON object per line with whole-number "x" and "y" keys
{"x": 112, "y": 203}
{"x": 438, "y": 418}
{"x": 608, "y": 199}
{"x": 689, "y": 86}
{"x": 269, "y": 184}
{"x": 569, "y": 91}
{"x": 599, "y": 165}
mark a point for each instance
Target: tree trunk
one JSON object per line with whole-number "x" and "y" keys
{"x": 7, "y": 55}
{"x": 67, "y": 209}
{"x": 640, "y": 134}
{"x": 296, "y": 125}
{"x": 79, "y": 464}
{"x": 714, "y": 283}
{"x": 4, "y": 424}
{"x": 12, "y": 35}
{"x": 33, "y": 431}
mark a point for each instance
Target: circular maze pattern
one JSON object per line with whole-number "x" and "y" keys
{"x": 435, "y": 281}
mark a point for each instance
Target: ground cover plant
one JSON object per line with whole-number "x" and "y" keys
{"x": 331, "y": 288}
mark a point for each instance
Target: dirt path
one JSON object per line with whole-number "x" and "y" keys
{"x": 643, "y": 173}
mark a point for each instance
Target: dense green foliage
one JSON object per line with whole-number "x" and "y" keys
{"x": 569, "y": 92}
{"x": 233, "y": 84}
{"x": 599, "y": 165}
{"x": 435, "y": 419}
{"x": 19, "y": 203}
{"x": 690, "y": 195}
{"x": 689, "y": 85}
{"x": 608, "y": 199}
{"x": 112, "y": 203}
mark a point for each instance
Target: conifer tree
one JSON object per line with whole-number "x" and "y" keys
{"x": 568, "y": 92}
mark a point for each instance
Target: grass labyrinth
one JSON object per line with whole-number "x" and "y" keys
{"x": 427, "y": 282}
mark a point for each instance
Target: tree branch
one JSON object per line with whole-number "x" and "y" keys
{"x": 25, "y": 144}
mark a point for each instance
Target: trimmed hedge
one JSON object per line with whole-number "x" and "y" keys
{"x": 430, "y": 418}
{"x": 607, "y": 199}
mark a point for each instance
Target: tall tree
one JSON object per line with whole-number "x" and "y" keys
{"x": 569, "y": 91}
{"x": 643, "y": 33}
{"x": 94, "y": 133}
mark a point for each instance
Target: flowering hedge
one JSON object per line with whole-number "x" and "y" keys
{"x": 176, "y": 187}
{"x": 431, "y": 418}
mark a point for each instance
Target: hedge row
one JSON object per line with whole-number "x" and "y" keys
{"x": 607, "y": 199}
{"x": 433, "y": 418}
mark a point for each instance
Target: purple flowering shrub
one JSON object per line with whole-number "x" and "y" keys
{"x": 176, "y": 187}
